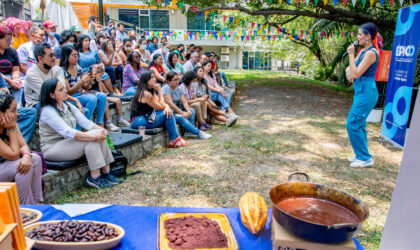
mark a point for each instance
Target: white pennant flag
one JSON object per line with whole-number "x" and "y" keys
{"x": 187, "y": 6}
{"x": 307, "y": 2}
{"x": 401, "y": 2}
{"x": 354, "y": 2}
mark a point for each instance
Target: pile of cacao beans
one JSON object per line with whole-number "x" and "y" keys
{"x": 72, "y": 231}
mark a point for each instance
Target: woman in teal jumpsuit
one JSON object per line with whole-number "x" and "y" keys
{"x": 362, "y": 71}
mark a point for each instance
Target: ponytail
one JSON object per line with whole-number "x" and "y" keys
{"x": 377, "y": 42}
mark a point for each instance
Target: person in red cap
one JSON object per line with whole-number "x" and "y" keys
{"x": 51, "y": 33}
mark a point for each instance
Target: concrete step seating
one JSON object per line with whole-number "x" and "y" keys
{"x": 63, "y": 177}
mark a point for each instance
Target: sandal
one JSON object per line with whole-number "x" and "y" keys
{"x": 177, "y": 143}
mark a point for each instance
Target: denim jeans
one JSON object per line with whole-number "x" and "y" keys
{"x": 27, "y": 121}
{"x": 223, "y": 77}
{"x": 188, "y": 124}
{"x": 90, "y": 102}
{"x": 161, "y": 119}
{"x": 130, "y": 91}
{"x": 219, "y": 98}
{"x": 113, "y": 73}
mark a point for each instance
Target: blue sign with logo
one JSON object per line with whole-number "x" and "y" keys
{"x": 401, "y": 75}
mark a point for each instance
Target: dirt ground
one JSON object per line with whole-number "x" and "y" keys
{"x": 282, "y": 129}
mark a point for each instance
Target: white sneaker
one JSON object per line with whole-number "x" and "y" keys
{"x": 361, "y": 164}
{"x": 352, "y": 159}
{"x": 204, "y": 136}
{"x": 123, "y": 123}
{"x": 231, "y": 121}
{"x": 190, "y": 135}
{"x": 111, "y": 127}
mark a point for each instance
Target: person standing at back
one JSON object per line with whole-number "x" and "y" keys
{"x": 120, "y": 34}
{"x": 361, "y": 73}
{"x": 50, "y": 33}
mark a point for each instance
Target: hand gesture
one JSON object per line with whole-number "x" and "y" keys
{"x": 7, "y": 122}
{"x": 351, "y": 49}
{"x": 168, "y": 112}
{"x": 16, "y": 84}
{"x": 24, "y": 165}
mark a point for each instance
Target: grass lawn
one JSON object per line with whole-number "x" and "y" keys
{"x": 288, "y": 123}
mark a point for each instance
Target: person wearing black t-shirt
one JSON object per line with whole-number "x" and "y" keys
{"x": 9, "y": 65}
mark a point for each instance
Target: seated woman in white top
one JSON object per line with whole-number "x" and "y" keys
{"x": 60, "y": 141}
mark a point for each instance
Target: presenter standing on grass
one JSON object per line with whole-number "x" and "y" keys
{"x": 361, "y": 73}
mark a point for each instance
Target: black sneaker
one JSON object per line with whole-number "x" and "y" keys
{"x": 111, "y": 178}
{"x": 99, "y": 182}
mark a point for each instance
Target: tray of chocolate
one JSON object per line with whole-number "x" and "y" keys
{"x": 74, "y": 234}
{"x": 195, "y": 231}
{"x": 30, "y": 216}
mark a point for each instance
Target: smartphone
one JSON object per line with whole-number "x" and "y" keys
{"x": 90, "y": 69}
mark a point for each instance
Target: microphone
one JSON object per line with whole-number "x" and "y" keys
{"x": 355, "y": 44}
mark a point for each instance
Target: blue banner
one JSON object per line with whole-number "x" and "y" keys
{"x": 401, "y": 75}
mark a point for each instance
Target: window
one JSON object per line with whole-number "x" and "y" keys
{"x": 159, "y": 20}
{"x": 129, "y": 16}
{"x": 196, "y": 23}
{"x": 144, "y": 20}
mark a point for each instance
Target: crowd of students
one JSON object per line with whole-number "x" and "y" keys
{"x": 61, "y": 80}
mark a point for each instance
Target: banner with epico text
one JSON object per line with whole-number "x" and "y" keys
{"x": 401, "y": 75}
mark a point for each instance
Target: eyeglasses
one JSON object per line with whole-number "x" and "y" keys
{"x": 75, "y": 56}
{"x": 50, "y": 55}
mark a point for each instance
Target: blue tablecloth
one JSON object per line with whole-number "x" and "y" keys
{"x": 141, "y": 224}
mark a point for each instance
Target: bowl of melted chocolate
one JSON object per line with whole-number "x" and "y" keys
{"x": 317, "y": 212}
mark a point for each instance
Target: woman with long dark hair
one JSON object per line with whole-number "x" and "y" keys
{"x": 173, "y": 65}
{"x": 17, "y": 163}
{"x": 202, "y": 92}
{"x": 149, "y": 109}
{"x": 67, "y": 37}
{"x": 156, "y": 66}
{"x": 362, "y": 72}
{"x": 175, "y": 98}
{"x": 131, "y": 73}
{"x": 125, "y": 49}
{"x": 60, "y": 141}
{"x": 217, "y": 93}
{"x": 76, "y": 79}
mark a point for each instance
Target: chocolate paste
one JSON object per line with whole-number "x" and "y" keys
{"x": 190, "y": 232}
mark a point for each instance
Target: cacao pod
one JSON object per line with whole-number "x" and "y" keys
{"x": 253, "y": 210}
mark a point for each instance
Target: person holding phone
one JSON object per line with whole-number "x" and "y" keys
{"x": 149, "y": 109}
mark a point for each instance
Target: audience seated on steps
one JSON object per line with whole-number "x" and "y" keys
{"x": 198, "y": 104}
{"x": 131, "y": 73}
{"x": 75, "y": 79}
{"x": 17, "y": 163}
{"x": 57, "y": 124}
{"x": 148, "y": 109}
{"x": 175, "y": 98}
{"x": 10, "y": 69}
{"x": 202, "y": 91}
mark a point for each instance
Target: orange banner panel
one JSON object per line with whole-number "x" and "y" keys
{"x": 382, "y": 71}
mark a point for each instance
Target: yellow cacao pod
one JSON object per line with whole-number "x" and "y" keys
{"x": 253, "y": 211}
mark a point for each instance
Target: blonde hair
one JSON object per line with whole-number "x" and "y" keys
{"x": 98, "y": 68}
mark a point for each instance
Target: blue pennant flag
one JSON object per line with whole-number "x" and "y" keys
{"x": 382, "y": 2}
{"x": 335, "y": 2}
{"x": 200, "y": 13}
{"x": 166, "y": 2}
{"x": 283, "y": 30}
{"x": 242, "y": 38}
{"x": 268, "y": 37}
{"x": 259, "y": 26}
{"x": 230, "y": 20}
{"x": 296, "y": 37}
{"x": 288, "y": 1}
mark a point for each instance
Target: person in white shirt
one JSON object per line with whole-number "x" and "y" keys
{"x": 26, "y": 50}
{"x": 190, "y": 65}
{"x": 51, "y": 32}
